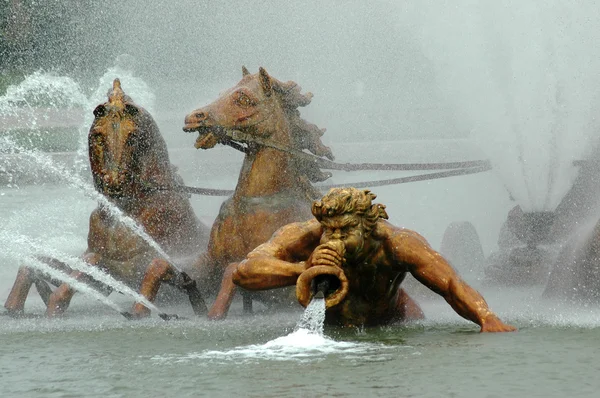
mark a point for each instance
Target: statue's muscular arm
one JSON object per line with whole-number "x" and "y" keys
{"x": 279, "y": 262}
{"x": 411, "y": 252}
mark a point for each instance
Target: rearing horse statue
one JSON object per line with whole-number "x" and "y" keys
{"x": 259, "y": 116}
{"x": 131, "y": 169}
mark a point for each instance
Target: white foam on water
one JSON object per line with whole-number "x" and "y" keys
{"x": 306, "y": 342}
{"x": 300, "y": 345}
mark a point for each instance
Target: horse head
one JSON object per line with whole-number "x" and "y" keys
{"x": 128, "y": 156}
{"x": 265, "y": 110}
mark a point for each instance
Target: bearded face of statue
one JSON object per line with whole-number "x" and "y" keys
{"x": 347, "y": 229}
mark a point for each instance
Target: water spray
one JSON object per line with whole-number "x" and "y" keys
{"x": 80, "y": 286}
{"x": 80, "y": 265}
{"x": 41, "y": 90}
{"x": 99, "y": 275}
{"x": 47, "y": 164}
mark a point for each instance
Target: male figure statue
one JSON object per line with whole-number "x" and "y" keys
{"x": 350, "y": 232}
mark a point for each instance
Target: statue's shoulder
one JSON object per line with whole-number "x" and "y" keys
{"x": 289, "y": 238}
{"x": 298, "y": 229}
{"x": 387, "y": 231}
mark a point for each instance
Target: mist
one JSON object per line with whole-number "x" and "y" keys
{"x": 522, "y": 79}
{"x": 369, "y": 76}
{"x": 514, "y": 83}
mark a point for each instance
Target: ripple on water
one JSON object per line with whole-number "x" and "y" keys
{"x": 307, "y": 342}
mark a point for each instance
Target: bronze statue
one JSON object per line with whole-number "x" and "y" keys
{"x": 274, "y": 187}
{"x": 362, "y": 260}
{"x": 131, "y": 168}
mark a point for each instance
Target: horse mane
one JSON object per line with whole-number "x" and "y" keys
{"x": 305, "y": 135}
{"x": 160, "y": 172}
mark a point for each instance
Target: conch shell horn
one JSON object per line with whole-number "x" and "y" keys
{"x": 304, "y": 285}
{"x": 310, "y": 281}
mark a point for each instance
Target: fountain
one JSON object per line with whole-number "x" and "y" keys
{"x": 526, "y": 95}
{"x": 427, "y": 80}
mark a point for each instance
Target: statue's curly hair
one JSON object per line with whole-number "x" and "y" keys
{"x": 339, "y": 201}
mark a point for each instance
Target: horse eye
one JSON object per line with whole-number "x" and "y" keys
{"x": 131, "y": 110}
{"x": 100, "y": 111}
{"x": 244, "y": 100}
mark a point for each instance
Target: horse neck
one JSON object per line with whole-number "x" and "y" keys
{"x": 155, "y": 167}
{"x": 267, "y": 171}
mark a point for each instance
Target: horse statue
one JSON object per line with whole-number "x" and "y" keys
{"x": 274, "y": 186}
{"x": 131, "y": 169}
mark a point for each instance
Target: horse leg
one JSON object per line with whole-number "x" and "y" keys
{"x": 159, "y": 271}
{"x": 188, "y": 285}
{"x": 59, "y": 300}
{"x": 407, "y": 309}
{"x": 61, "y": 297}
{"x": 26, "y": 277}
{"x": 225, "y": 296}
{"x": 42, "y": 286}
{"x": 203, "y": 271}
{"x": 15, "y": 303}
{"x": 44, "y": 290}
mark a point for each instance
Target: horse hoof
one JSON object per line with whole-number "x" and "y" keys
{"x": 216, "y": 316}
{"x": 134, "y": 316}
{"x": 171, "y": 317}
{"x": 14, "y": 313}
{"x": 129, "y": 315}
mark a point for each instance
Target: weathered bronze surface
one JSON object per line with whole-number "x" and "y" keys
{"x": 350, "y": 232}
{"x": 131, "y": 168}
{"x": 274, "y": 187}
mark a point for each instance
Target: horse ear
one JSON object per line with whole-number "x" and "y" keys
{"x": 245, "y": 71}
{"x": 265, "y": 81}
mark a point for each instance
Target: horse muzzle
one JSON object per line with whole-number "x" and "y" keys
{"x": 329, "y": 280}
{"x": 113, "y": 183}
{"x": 196, "y": 121}
{"x": 208, "y": 137}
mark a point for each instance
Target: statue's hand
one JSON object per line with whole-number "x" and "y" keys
{"x": 492, "y": 324}
{"x": 328, "y": 254}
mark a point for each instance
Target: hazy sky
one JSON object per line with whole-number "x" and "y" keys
{"x": 517, "y": 77}
{"x": 368, "y": 74}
